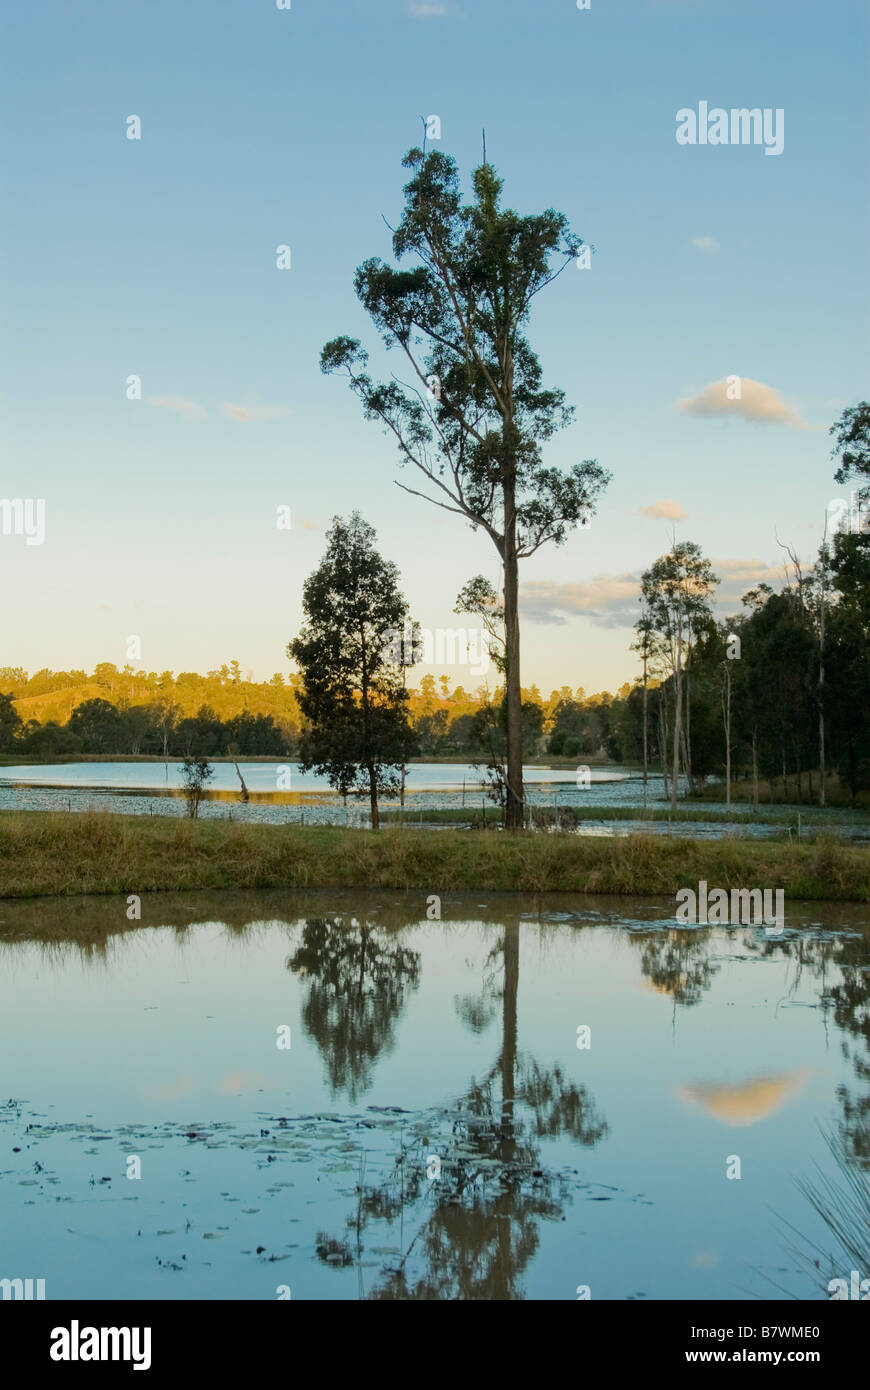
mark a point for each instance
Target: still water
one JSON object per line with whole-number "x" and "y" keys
{"x": 266, "y": 777}
{"x": 152, "y": 788}
{"x": 438, "y": 1122}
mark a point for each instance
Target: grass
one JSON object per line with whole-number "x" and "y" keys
{"x": 783, "y": 816}
{"x": 843, "y": 1203}
{"x": 57, "y": 854}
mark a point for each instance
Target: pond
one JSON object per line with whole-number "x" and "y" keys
{"x": 154, "y": 788}
{"x": 344, "y": 1096}
{"x": 264, "y": 778}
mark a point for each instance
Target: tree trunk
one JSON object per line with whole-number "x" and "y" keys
{"x": 513, "y": 690}
{"x": 853, "y": 780}
{"x": 755, "y": 767}
{"x": 509, "y": 1038}
{"x": 507, "y": 1145}
{"x": 367, "y": 751}
{"x": 245, "y": 793}
{"x": 678, "y": 716}
{"x": 645, "y": 732}
{"x": 663, "y": 740}
{"x": 726, "y": 713}
{"x": 373, "y": 796}
{"x": 684, "y": 749}
{"x": 822, "y": 691}
{"x": 687, "y": 729}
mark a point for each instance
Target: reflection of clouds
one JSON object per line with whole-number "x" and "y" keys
{"x": 173, "y": 1090}
{"x": 749, "y": 1101}
{"x": 233, "y": 1084}
{"x": 705, "y": 1259}
{"x": 237, "y": 1081}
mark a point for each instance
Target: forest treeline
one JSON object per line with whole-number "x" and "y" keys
{"x": 122, "y": 711}
{"x": 777, "y": 689}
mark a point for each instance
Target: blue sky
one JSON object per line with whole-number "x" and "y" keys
{"x": 263, "y": 127}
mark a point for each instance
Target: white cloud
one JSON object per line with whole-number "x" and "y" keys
{"x": 189, "y": 409}
{"x": 613, "y": 600}
{"x": 246, "y": 414}
{"x": 705, "y": 243}
{"x": 742, "y": 396}
{"x": 666, "y": 509}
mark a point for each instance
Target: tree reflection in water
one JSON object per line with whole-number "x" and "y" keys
{"x": 475, "y": 1225}
{"x": 357, "y": 978}
{"x": 676, "y": 963}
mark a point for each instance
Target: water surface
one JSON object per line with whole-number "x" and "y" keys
{"x": 309, "y": 1168}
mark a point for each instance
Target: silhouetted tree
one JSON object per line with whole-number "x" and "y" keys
{"x": 352, "y": 657}
{"x": 475, "y": 414}
{"x": 195, "y": 772}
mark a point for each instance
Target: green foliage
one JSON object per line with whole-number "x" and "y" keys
{"x": 48, "y": 741}
{"x": 10, "y": 721}
{"x": 581, "y": 728}
{"x": 675, "y": 592}
{"x": 353, "y": 659}
{"x": 98, "y": 724}
{"x": 195, "y": 772}
{"x": 475, "y": 414}
{"x": 852, "y": 443}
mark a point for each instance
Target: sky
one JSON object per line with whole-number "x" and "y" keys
{"x": 264, "y": 127}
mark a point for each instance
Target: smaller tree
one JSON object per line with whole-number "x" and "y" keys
{"x": 353, "y": 652}
{"x": 10, "y": 722}
{"x": 675, "y": 593}
{"x": 99, "y": 726}
{"x": 195, "y": 772}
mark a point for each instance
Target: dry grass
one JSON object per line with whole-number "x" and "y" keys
{"x": 58, "y": 854}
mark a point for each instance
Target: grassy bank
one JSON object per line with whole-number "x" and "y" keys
{"x": 785, "y": 817}
{"x": 57, "y": 854}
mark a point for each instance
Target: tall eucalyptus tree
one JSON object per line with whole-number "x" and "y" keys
{"x": 475, "y": 412}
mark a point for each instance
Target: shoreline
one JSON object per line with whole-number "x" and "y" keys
{"x": 55, "y": 855}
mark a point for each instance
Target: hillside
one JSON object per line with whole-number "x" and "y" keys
{"x": 57, "y": 705}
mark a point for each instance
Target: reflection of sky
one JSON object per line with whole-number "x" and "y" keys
{"x": 183, "y": 1028}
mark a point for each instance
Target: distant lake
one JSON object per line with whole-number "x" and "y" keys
{"x": 263, "y": 777}
{"x": 158, "y": 1144}
{"x": 152, "y": 787}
